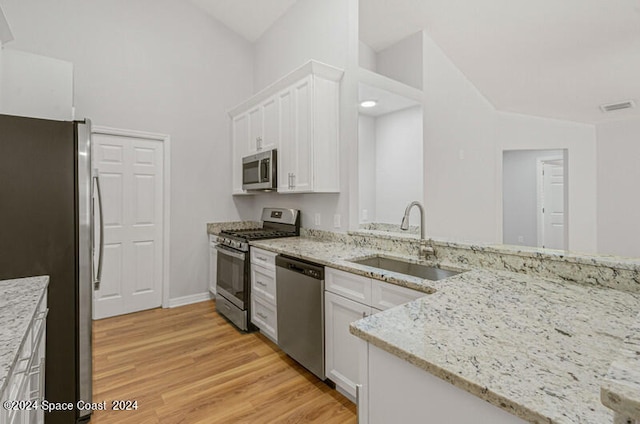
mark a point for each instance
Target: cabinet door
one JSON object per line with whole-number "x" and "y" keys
{"x": 301, "y": 161}
{"x": 270, "y": 124}
{"x": 240, "y": 143}
{"x": 287, "y": 140}
{"x": 255, "y": 130}
{"x": 341, "y": 347}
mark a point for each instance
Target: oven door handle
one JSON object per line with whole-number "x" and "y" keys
{"x": 229, "y": 252}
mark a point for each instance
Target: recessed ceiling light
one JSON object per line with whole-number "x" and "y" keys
{"x": 368, "y": 103}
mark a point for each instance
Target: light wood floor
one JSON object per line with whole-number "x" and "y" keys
{"x": 188, "y": 365}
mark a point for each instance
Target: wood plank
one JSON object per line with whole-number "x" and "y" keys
{"x": 189, "y": 365}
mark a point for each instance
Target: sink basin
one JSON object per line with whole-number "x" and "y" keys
{"x": 408, "y": 268}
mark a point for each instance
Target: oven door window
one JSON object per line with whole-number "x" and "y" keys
{"x": 232, "y": 276}
{"x": 251, "y": 172}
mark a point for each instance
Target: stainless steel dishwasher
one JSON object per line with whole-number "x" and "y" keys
{"x": 300, "y": 311}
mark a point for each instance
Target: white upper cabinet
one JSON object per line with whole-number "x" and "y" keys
{"x": 264, "y": 131}
{"x": 240, "y": 148}
{"x": 298, "y": 116}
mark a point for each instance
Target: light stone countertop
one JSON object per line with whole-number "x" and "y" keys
{"x": 19, "y": 299}
{"x": 536, "y": 348}
{"x": 621, "y": 388}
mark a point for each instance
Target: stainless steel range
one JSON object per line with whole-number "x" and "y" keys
{"x": 232, "y": 298}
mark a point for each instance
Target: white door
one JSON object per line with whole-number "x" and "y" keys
{"x": 131, "y": 180}
{"x": 553, "y": 231}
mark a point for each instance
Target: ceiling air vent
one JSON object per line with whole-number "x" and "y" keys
{"x": 627, "y": 104}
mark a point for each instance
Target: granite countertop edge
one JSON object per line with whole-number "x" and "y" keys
{"x": 39, "y": 284}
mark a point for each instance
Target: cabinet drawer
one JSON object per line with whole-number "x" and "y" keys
{"x": 386, "y": 295}
{"x": 263, "y": 282}
{"x": 351, "y": 286}
{"x": 263, "y": 258}
{"x": 264, "y": 316}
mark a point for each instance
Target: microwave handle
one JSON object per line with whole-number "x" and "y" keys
{"x": 264, "y": 170}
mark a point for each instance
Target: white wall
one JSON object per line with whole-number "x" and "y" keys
{"x": 319, "y": 30}
{"x": 618, "y": 181}
{"x": 367, "y": 167}
{"x": 310, "y": 29}
{"x": 399, "y": 170}
{"x": 464, "y": 140}
{"x": 35, "y": 85}
{"x": 403, "y": 61}
{"x": 161, "y": 66}
{"x": 367, "y": 57}
{"x": 460, "y": 162}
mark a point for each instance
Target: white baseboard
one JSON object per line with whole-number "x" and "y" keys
{"x": 188, "y": 300}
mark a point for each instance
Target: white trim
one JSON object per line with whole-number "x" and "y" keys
{"x": 312, "y": 67}
{"x": 165, "y": 139}
{"x": 188, "y": 300}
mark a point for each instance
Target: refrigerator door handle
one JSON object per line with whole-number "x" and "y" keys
{"x": 98, "y": 276}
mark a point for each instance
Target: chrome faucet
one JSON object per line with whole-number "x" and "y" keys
{"x": 424, "y": 249}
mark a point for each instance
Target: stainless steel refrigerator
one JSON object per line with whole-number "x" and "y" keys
{"x": 46, "y": 228}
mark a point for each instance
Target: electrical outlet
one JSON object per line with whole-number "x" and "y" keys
{"x": 316, "y": 219}
{"x": 461, "y": 154}
{"x": 520, "y": 239}
{"x": 336, "y": 220}
{"x": 365, "y": 215}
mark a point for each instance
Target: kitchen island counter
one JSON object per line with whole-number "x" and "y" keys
{"x": 19, "y": 299}
{"x": 539, "y": 349}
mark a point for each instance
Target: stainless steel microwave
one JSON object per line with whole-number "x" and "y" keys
{"x": 259, "y": 171}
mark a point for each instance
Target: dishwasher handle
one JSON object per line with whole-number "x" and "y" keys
{"x": 301, "y": 267}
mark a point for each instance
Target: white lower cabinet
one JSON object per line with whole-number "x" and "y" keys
{"x": 26, "y": 381}
{"x": 263, "y": 292}
{"x": 341, "y": 360}
{"x": 348, "y": 298}
{"x": 399, "y": 392}
{"x": 265, "y": 317}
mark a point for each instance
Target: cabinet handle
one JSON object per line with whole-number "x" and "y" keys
{"x": 261, "y": 315}
{"x": 262, "y": 258}
{"x": 261, "y": 283}
{"x": 364, "y": 315}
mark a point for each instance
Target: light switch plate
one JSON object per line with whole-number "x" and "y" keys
{"x": 316, "y": 219}
{"x": 336, "y": 221}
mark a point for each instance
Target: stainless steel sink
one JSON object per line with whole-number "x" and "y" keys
{"x": 408, "y": 268}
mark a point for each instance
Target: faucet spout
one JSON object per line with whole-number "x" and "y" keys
{"x": 424, "y": 249}
{"x": 405, "y": 218}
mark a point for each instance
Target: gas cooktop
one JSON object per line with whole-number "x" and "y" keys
{"x": 276, "y": 223}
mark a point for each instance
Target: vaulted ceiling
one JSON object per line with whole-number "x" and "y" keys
{"x": 552, "y": 58}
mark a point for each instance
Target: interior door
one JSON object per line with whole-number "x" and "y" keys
{"x": 553, "y": 205}
{"x": 131, "y": 179}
